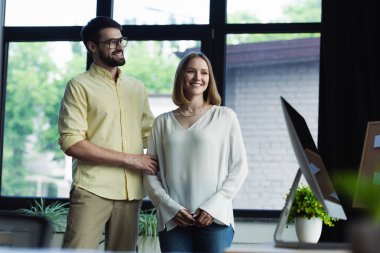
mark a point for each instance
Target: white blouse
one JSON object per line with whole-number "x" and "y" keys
{"x": 202, "y": 166}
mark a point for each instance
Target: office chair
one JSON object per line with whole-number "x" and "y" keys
{"x": 18, "y": 230}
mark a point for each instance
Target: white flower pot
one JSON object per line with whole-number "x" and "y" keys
{"x": 308, "y": 230}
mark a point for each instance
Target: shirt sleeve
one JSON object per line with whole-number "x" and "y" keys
{"x": 72, "y": 123}
{"x": 155, "y": 185}
{"x": 237, "y": 171}
{"x": 147, "y": 121}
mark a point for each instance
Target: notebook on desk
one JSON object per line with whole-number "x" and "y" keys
{"x": 315, "y": 173}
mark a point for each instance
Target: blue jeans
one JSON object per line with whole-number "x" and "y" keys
{"x": 211, "y": 239}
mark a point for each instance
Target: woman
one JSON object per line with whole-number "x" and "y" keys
{"x": 202, "y": 162}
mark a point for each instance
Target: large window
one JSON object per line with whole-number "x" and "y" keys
{"x": 273, "y": 11}
{"x": 48, "y": 12}
{"x": 259, "y": 51}
{"x": 258, "y": 72}
{"x": 161, "y": 12}
{"x": 33, "y": 164}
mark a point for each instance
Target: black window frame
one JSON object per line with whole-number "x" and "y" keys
{"x": 213, "y": 44}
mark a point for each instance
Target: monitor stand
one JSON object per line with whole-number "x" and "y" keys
{"x": 283, "y": 220}
{"x": 281, "y": 225}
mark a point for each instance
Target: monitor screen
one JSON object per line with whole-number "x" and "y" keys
{"x": 368, "y": 180}
{"x": 310, "y": 162}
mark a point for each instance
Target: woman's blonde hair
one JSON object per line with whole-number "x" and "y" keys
{"x": 211, "y": 94}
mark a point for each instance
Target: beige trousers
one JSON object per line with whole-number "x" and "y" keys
{"x": 90, "y": 215}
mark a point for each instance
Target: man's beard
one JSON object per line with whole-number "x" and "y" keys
{"x": 109, "y": 61}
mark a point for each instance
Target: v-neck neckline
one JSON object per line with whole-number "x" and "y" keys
{"x": 192, "y": 125}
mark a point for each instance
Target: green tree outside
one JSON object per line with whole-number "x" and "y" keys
{"x": 301, "y": 11}
{"x": 148, "y": 61}
{"x": 35, "y": 86}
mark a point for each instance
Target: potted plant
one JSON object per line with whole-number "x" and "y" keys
{"x": 308, "y": 214}
{"x": 55, "y": 213}
{"x": 148, "y": 232}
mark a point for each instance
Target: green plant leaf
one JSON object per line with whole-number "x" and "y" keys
{"x": 148, "y": 223}
{"x": 55, "y": 213}
{"x": 306, "y": 205}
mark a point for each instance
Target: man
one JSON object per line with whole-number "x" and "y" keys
{"x": 104, "y": 123}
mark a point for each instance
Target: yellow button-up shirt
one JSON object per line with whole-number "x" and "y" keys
{"x": 112, "y": 115}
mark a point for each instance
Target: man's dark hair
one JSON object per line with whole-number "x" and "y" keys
{"x": 90, "y": 32}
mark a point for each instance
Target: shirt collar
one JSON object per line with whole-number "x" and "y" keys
{"x": 103, "y": 72}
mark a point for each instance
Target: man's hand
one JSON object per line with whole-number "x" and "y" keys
{"x": 87, "y": 151}
{"x": 184, "y": 218}
{"x": 146, "y": 163}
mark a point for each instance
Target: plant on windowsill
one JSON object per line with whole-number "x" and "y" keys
{"x": 147, "y": 231}
{"x": 55, "y": 213}
{"x": 307, "y": 210}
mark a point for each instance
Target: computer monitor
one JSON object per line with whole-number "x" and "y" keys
{"x": 369, "y": 170}
{"x": 311, "y": 167}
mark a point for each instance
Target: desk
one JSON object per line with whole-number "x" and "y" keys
{"x": 270, "y": 248}
{"x": 48, "y": 250}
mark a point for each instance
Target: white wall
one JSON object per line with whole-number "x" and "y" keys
{"x": 254, "y": 93}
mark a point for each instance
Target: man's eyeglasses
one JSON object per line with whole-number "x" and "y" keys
{"x": 113, "y": 43}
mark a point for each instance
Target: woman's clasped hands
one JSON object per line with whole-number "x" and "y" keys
{"x": 199, "y": 218}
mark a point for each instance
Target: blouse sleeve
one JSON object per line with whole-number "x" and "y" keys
{"x": 237, "y": 170}
{"x": 155, "y": 185}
